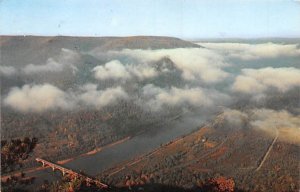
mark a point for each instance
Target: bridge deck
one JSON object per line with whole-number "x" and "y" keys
{"x": 71, "y": 172}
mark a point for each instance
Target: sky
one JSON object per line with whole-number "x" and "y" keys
{"x": 189, "y": 19}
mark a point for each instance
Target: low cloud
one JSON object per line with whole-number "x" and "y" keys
{"x": 255, "y": 81}
{"x": 7, "y": 70}
{"x": 254, "y": 51}
{"x": 101, "y": 98}
{"x": 66, "y": 59}
{"x": 270, "y": 121}
{"x": 182, "y": 97}
{"x": 50, "y": 66}
{"x": 37, "y": 98}
{"x": 143, "y": 71}
{"x": 194, "y": 63}
{"x": 118, "y": 71}
{"x": 40, "y": 98}
{"x": 111, "y": 70}
{"x": 183, "y": 77}
{"x": 235, "y": 118}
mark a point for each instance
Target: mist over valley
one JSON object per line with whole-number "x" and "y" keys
{"x": 138, "y": 110}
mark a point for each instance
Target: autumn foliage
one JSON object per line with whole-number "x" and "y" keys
{"x": 220, "y": 184}
{"x": 15, "y": 151}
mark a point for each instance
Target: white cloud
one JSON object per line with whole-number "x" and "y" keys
{"x": 235, "y": 118}
{"x": 269, "y": 121}
{"x": 101, "y": 98}
{"x": 195, "y": 63}
{"x": 118, "y": 71}
{"x": 143, "y": 71}
{"x": 157, "y": 97}
{"x": 177, "y": 96}
{"x": 68, "y": 55}
{"x": 37, "y": 98}
{"x": 50, "y": 66}
{"x": 253, "y": 81}
{"x": 254, "y": 51}
{"x": 7, "y": 70}
{"x": 40, "y": 98}
{"x": 66, "y": 59}
{"x": 111, "y": 70}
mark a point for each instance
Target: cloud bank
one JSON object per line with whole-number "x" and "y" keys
{"x": 115, "y": 70}
{"x": 254, "y": 51}
{"x": 37, "y": 98}
{"x": 288, "y": 125}
{"x": 111, "y": 70}
{"x": 269, "y": 121}
{"x": 40, "y": 98}
{"x": 177, "y": 97}
{"x": 101, "y": 98}
{"x": 181, "y": 78}
{"x": 194, "y": 63}
{"x": 66, "y": 59}
{"x": 50, "y": 66}
{"x": 235, "y": 118}
{"x": 7, "y": 70}
{"x": 255, "y": 81}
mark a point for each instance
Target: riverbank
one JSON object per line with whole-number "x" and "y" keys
{"x": 62, "y": 162}
{"x": 98, "y": 160}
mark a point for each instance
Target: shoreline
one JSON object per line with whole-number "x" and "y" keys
{"x": 92, "y": 152}
{"x": 64, "y": 161}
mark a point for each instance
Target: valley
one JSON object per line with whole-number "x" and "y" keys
{"x": 213, "y": 151}
{"x": 150, "y": 113}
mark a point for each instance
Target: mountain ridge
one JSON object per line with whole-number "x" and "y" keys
{"x": 18, "y": 50}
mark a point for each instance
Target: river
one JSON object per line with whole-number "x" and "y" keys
{"x": 129, "y": 149}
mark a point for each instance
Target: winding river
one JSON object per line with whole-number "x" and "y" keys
{"x": 128, "y": 149}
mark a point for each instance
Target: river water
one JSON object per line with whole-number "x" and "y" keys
{"x": 110, "y": 156}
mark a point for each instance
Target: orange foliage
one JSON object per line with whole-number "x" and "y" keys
{"x": 219, "y": 152}
{"x": 221, "y": 184}
{"x": 210, "y": 144}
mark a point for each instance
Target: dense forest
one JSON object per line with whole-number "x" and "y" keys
{"x": 66, "y": 98}
{"x": 211, "y": 152}
{"x": 66, "y": 134}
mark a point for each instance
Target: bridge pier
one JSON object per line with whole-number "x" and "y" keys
{"x": 72, "y": 173}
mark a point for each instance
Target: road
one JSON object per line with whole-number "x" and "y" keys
{"x": 268, "y": 151}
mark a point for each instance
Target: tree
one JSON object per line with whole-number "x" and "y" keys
{"x": 220, "y": 184}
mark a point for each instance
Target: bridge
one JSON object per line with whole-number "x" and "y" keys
{"x": 72, "y": 173}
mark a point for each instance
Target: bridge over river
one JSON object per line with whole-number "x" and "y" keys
{"x": 72, "y": 173}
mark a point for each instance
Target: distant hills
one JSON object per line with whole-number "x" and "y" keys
{"x": 282, "y": 40}
{"x": 17, "y": 50}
